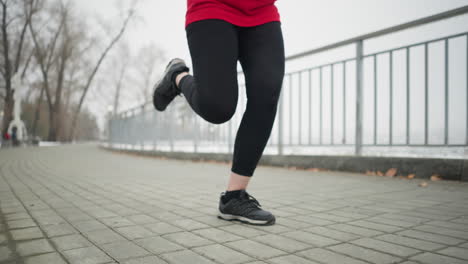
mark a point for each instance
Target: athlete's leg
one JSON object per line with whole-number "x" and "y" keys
{"x": 261, "y": 53}
{"x": 212, "y": 90}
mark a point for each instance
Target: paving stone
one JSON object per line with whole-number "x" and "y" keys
{"x": 334, "y": 218}
{"x": 71, "y": 242}
{"x": 188, "y": 239}
{"x": 26, "y": 233}
{"x": 312, "y": 220}
{"x": 142, "y": 219}
{"x": 145, "y": 260}
{"x": 291, "y": 259}
{"x": 186, "y": 256}
{"x": 456, "y": 252}
{"x": 283, "y": 243}
{"x": 118, "y": 221}
{"x": 375, "y": 226}
{"x": 89, "y": 255}
{"x": 401, "y": 251}
{"x": 255, "y": 249}
{"x": 134, "y": 232}
{"x": 274, "y": 229}
{"x": 103, "y": 236}
{"x": 329, "y": 257}
{"x": 189, "y": 224}
{"x": 364, "y": 254}
{"x": 222, "y": 254}
{"x": 311, "y": 239}
{"x": 5, "y": 253}
{"x": 410, "y": 242}
{"x": 443, "y": 231}
{"x": 243, "y": 230}
{"x": 431, "y": 258}
{"x": 58, "y": 230}
{"x": 431, "y": 237}
{"x": 217, "y": 235}
{"x": 212, "y": 221}
{"x": 124, "y": 250}
{"x": 292, "y": 223}
{"x": 360, "y": 231}
{"x": 331, "y": 233}
{"x": 449, "y": 225}
{"x": 50, "y": 258}
{"x": 22, "y": 223}
{"x": 17, "y": 216}
{"x": 162, "y": 228}
{"x": 158, "y": 245}
{"x": 3, "y": 238}
{"x": 392, "y": 222}
{"x": 465, "y": 245}
{"x": 90, "y": 225}
{"x": 34, "y": 247}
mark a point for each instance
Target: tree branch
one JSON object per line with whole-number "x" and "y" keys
{"x": 97, "y": 66}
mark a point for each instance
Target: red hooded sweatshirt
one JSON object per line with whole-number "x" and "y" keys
{"x": 243, "y": 13}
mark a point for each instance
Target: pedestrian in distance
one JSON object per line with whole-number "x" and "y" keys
{"x": 219, "y": 34}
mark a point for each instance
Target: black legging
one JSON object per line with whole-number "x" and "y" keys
{"x": 212, "y": 91}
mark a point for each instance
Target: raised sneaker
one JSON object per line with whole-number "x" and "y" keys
{"x": 244, "y": 208}
{"x": 166, "y": 90}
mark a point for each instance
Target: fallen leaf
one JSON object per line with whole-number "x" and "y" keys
{"x": 313, "y": 169}
{"x": 423, "y": 184}
{"x": 371, "y": 173}
{"x": 411, "y": 176}
{"x": 380, "y": 173}
{"x": 436, "y": 177}
{"x": 391, "y": 172}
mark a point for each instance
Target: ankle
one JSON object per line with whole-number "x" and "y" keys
{"x": 179, "y": 77}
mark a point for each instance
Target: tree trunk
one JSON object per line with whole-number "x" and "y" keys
{"x": 52, "y": 125}
{"x": 7, "y": 112}
{"x": 37, "y": 114}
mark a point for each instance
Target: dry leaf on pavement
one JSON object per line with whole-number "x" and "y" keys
{"x": 423, "y": 184}
{"x": 391, "y": 172}
{"x": 411, "y": 176}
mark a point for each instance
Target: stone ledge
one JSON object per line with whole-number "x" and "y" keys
{"x": 423, "y": 168}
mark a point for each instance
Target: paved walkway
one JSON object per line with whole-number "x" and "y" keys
{"x": 80, "y": 204}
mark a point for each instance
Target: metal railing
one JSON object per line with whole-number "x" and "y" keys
{"x": 325, "y": 105}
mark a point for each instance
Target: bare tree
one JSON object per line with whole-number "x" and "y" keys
{"x": 147, "y": 61}
{"x": 98, "y": 64}
{"x": 16, "y": 16}
{"x": 53, "y": 55}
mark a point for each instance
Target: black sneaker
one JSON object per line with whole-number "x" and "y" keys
{"x": 245, "y": 209}
{"x": 166, "y": 90}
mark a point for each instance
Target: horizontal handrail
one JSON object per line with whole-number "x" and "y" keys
{"x": 393, "y": 29}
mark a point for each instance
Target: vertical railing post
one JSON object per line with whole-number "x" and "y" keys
{"x": 171, "y": 129}
{"x": 230, "y": 136}
{"x": 155, "y": 131}
{"x": 280, "y": 122}
{"x": 142, "y": 128}
{"x": 109, "y": 131}
{"x": 195, "y": 138}
{"x": 359, "y": 96}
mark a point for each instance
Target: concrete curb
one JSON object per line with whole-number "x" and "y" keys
{"x": 423, "y": 168}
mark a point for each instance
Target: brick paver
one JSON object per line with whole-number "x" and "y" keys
{"x": 81, "y": 204}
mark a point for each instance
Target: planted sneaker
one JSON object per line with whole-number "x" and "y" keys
{"x": 166, "y": 90}
{"x": 246, "y": 209}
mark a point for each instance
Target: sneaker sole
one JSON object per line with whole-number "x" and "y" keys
{"x": 245, "y": 220}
